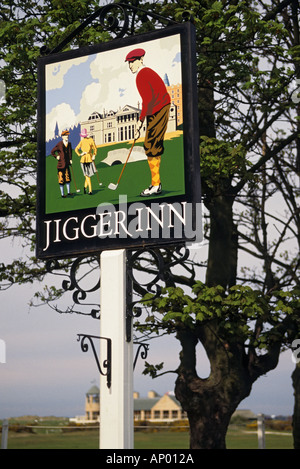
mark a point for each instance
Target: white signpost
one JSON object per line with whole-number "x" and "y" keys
{"x": 116, "y": 402}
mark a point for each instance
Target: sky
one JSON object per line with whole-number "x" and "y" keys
{"x": 46, "y": 373}
{"x": 77, "y": 87}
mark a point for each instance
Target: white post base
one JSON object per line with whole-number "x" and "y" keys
{"x": 116, "y": 403}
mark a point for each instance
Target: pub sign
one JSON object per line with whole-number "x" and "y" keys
{"x": 118, "y": 145}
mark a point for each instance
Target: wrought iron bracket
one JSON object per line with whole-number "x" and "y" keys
{"x": 75, "y": 285}
{"x": 142, "y": 350}
{"x": 110, "y": 21}
{"x": 161, "y": 271}
{"x": 130, "y": 312}
{"x": 107, "y": 362}
{"x": 161, "y": 263}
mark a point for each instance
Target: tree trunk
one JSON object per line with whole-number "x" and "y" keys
{"x": 222, "y": 255}
{"x": 210, "y": 402}
{"x": 207, "y": 431}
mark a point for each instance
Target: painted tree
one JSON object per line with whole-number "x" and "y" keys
{"x": 248, "y": 61}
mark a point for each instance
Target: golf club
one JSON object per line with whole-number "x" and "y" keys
{"x": 112, "y": 186}
{"x": 100, "y": 183}
{"x": 77, "y": 190}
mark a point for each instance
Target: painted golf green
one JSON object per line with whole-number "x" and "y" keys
{"x": 135, "y": 177}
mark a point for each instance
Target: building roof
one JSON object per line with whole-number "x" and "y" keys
{"x": 145, "y": 403}
{"x": 140, "y": 403}
{"x": 174, "y": 399}
{"x": 244, "y": 413}
{"x": 94, "y": 390}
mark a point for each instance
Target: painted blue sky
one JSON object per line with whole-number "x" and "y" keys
{"x": 73, "y": 87}
{"x": 77, "y": 87}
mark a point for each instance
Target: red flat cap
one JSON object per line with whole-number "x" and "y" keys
{"x": 135, "y": 54}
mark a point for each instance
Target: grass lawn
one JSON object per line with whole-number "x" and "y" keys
{"x": 135, "y": 178}
{"x": 237, "y": 439}
{"x": 89, "y": 439}
{"x": 54, "y": 440}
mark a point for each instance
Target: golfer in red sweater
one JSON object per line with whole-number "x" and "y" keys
{"x": 155, "y": 109}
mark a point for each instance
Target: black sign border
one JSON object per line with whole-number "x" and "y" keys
{"x": 191, "y": 149}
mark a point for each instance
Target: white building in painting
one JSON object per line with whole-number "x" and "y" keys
{"x": 120, "y": 126}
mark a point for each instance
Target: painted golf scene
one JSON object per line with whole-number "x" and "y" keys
{"x": 114, "y": 126}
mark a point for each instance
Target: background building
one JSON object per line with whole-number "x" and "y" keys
{"x": 175, "y": 92}
{"x": 152, "y": 408}
{"x": 120, "y": 126}
{"x": 157, "y": 408}
{"x": 92, "y": 404}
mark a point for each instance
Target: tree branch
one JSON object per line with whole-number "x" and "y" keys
{"x": 268, "y": 155}
{"x": 272, "y": 14}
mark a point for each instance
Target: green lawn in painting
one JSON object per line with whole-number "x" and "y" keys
{"x": 135, "y": 178}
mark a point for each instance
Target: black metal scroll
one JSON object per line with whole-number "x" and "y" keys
{"x": 107, "y": 362}
{"x": 159, "y": 269}
{"x": 73, "y": 283}
{"x": 142, "y": 350}
{"x": 114, "y": 18}
{"x": 155, "y": 265}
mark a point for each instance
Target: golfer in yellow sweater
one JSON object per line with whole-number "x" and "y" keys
{"x": 87, "y": 150}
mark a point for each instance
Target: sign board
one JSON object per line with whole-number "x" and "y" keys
{"x": 118, "y": 145}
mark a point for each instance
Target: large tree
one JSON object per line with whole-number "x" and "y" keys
{"x": 248, "y": 61}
